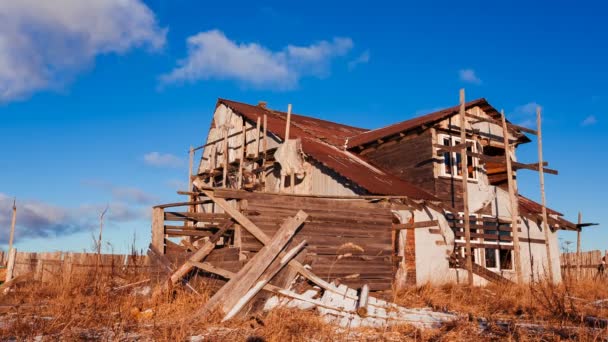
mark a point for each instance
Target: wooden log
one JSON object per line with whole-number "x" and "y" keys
{"x": 465, "y": 193}
{"x": 513, "y": 200}
{"x": 227, "y": 297}
{"x": 363, "y": 300}
{"x": 265, "y": 278}
{"x": 158, "y": 229}
{"x": 199, "y": 255}
{"x": 542, "y": 194}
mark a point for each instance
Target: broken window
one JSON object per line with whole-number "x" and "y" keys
{"x": 452, "y": 161}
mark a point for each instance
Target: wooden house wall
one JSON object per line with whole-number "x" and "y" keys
{"x": 409, "y": 158}
{"x": 333, "y": 229}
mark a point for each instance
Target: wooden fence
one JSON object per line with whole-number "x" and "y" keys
{"x": 51, "y": 266}
{"x": 589, "y": 262}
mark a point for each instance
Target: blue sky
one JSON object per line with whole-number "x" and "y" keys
{"x": 99, "y": 104}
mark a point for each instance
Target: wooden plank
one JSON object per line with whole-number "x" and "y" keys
{"x": 422, "y": 224}
{"x": 158, "y": 229}
{"x": 265, "y": 278}
{"x": 465, "y": 194}
{"x": 227, "y": 297}
{"x": 199, "y": 255}
{"x": 542, "y": 194}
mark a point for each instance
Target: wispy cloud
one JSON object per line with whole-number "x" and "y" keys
{"x": 524, "y": 115}
{"x": 44, "y": 44}
{"x": 40, "y": 219}
{"x": 211, "y": 55}
{"x": 589, "y": 121}
{"x": 127, "y": 194}
{"x": 469, "y": 76}
{"x": 158, "y": 159}
{"x": 363, "y": 58}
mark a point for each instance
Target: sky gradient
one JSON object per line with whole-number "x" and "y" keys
{"x": 99, "y": 104}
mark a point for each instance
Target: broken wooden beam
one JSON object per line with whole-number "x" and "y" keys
{"x": 227, "y": 297}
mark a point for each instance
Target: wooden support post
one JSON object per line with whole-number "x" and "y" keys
{"x": 158, "y": 229}
{"x": 199, "y": 255}
{"x": 465, "y": 193}
{"x": 578, "y": 245}
{"x": 243, "y": 154}
{"x": 265, "y": 148}
{"x": 257, "y": 139}
{"x": 13, "y": 221}
{"x": 272, "y": 271}
{"x": 226, "y": 157}
{"x": 541, "y": 175}
{"x": 514, "y": 202}
{"x": 287, "y": 129}
{"x": 228, "y": 296}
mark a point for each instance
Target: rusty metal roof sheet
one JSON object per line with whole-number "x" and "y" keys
{"x": 420, "y": 121}
{"x": 324, "y": 142}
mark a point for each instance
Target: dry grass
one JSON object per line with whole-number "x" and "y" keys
{"x": 87, "y": 308}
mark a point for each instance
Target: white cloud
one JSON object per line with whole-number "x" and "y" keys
{"x": 590, "y": 120}
{"x": 363, "y": 58}
{"x": 44, "y": 44}
{"x": 39, "y": 219}
{"x": 211, "y": 55}
{"x": 526, "y": 109}
{"x": 163, "y": 160}
{"x": 469, "y": 76}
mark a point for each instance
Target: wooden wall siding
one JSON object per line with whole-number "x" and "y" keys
{"x": 348, "y": 240}
{"x": 449, "y": 191}
{"x": 409, "y": 158}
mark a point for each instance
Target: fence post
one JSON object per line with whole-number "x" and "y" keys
{"x": 158, "y": 229}
{"x": 10, "y": 266}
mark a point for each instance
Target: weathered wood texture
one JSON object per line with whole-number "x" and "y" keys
{"x": 348, "y": 240}
{"x": 409, "y": 158}
{"x": 588, "y": 261}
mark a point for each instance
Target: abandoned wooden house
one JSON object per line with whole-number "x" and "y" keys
{"x": 386, "y": 207}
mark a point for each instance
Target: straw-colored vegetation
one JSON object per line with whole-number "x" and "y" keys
{"x": 89, "y": 307}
